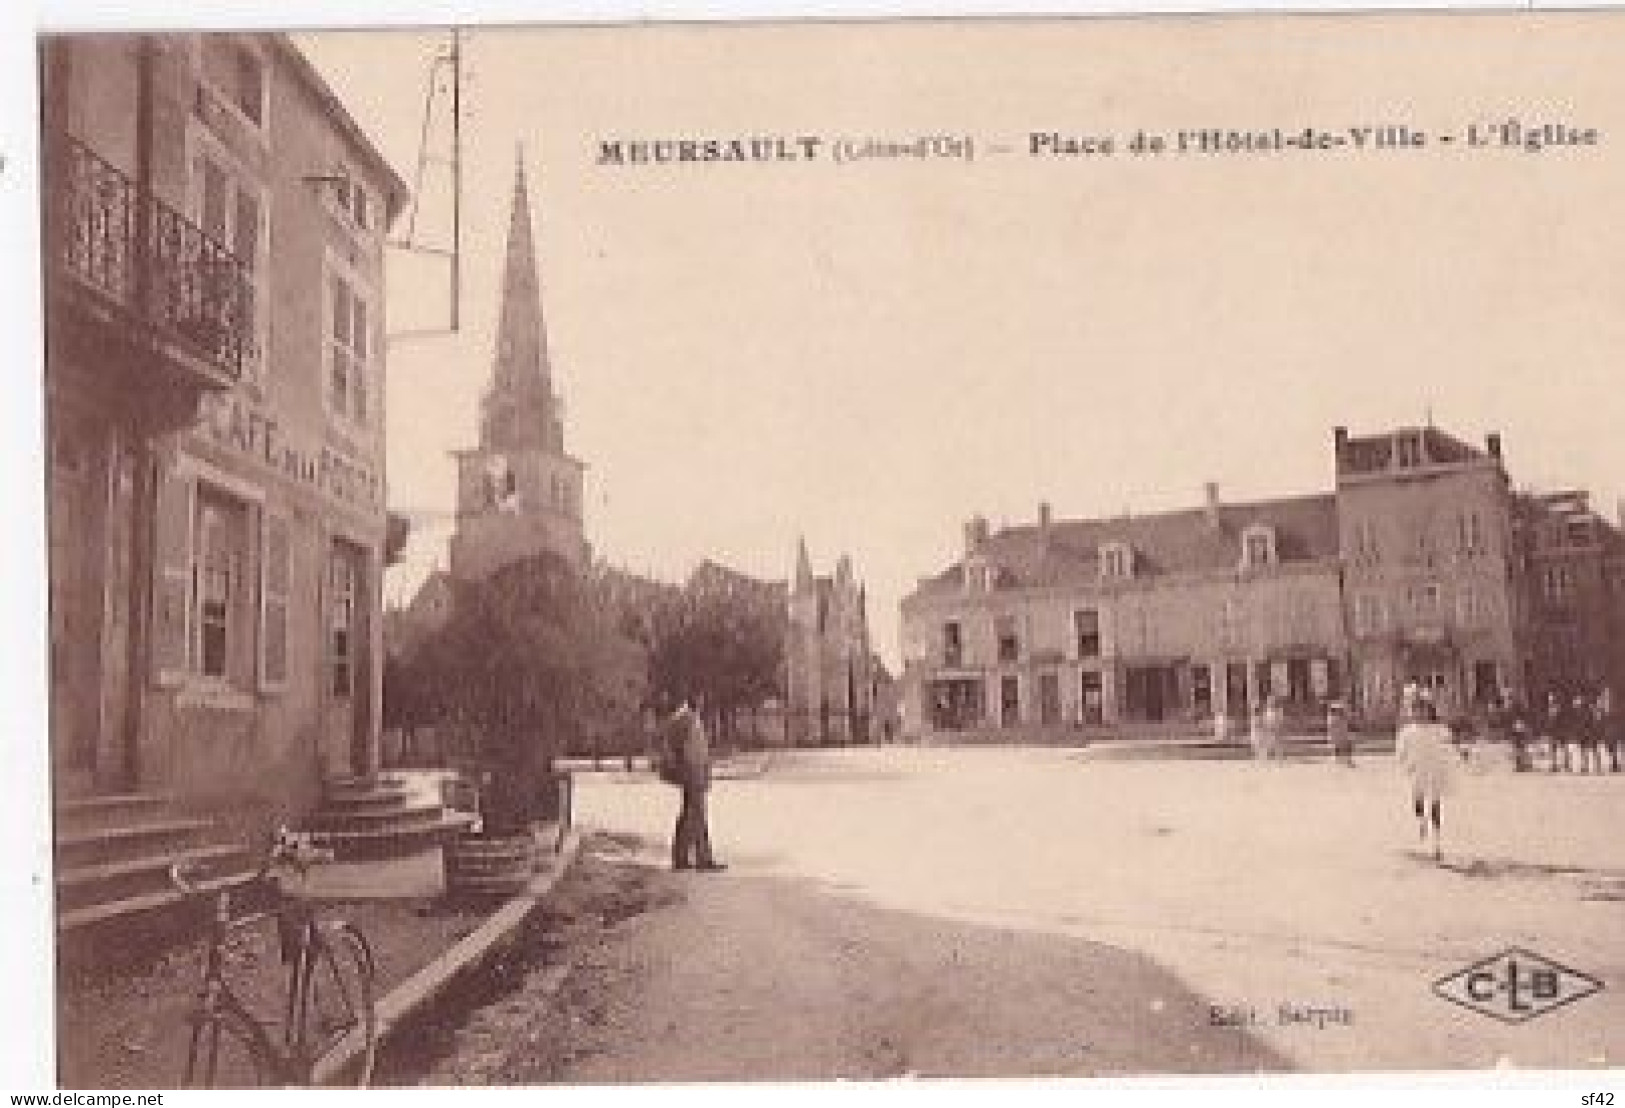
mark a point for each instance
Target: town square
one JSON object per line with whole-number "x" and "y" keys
{"x": 784, "y": 576}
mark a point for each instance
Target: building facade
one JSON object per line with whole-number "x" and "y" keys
{"x": 1432, "y": 570}
{"x": 829, "y": 664}
{"x": 213, "y": 240}
{"x": 519, "y": 492}
{"x": 1420, "y": 565}
{"x": 1157, "y": 619}
{"x": 1574, "y": 592}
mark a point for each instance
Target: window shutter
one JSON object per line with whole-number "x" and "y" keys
{"x": 172, "y": 580}
{"x": 276, "y": 575}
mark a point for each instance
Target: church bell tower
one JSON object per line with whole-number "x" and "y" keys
{"x": 519, "y": 493}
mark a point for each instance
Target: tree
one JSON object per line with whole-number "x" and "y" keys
{"x": 719, "y": 644}
{"x": 532, "y": 661}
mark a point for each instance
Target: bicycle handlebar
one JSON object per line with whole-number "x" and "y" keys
{"x": 288, "y": 850}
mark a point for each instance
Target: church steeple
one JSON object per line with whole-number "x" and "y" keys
{"x": 804, "y": 574}
{"x": 519, "y": 492}
{"x": 520, "y": 411}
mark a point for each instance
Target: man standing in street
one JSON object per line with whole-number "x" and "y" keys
{"x": 689, "y": 755}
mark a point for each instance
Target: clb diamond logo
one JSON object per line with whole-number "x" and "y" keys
{"x": 1515, "y": 985}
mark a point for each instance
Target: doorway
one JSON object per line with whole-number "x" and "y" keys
{"x": 347, "y": 748}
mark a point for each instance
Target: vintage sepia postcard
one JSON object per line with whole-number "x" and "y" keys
{"x": 808, "y": 551}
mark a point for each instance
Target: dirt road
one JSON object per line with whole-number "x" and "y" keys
{"x": 739, "y": 977}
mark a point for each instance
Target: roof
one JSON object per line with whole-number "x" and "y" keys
{"x": 1374, "y": 453}
{"x": 1183, "y": 541}
{"x": 344, "y": 121}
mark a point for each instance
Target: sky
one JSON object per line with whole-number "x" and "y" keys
{"x": 867, "y": 354}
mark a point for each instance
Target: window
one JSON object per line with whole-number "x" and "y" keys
{"x": 953, "y": 648}
{"x": 1559, "y": 582}
{"x": 1472, "y": 607}
{"x": 1201, "y": 690}
{"x": 1409, "y": 450}
{"x": 237, "y": 73}
{"x": 1363, "y": 541}
{"x": 1257, "y": 547}
{"x": 350, "y": 199}
{"x": 1579, "y": 532}
{"x": 1116, "y": 560}
{"x": 349, "y": 342}
{"x": 1087, "y": 625}
{"x": 228, "y": 206}
{"x": 1424, "y": 599}
{"x": 221, "y": 593}
{"x": 1368, "y": 614}
{"x": 1009, "y": 643}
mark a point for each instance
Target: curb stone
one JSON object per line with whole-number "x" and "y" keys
{"x": 416, "y": 992}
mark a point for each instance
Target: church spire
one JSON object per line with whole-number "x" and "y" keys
{"x": 520, "y": 411}
{"x": 804, "y": 574}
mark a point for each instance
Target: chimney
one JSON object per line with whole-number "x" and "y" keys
{"x": 1045, "y": 518}
{"x": 1619, "y": 509}
{"x": 1492, "y": 443}
{"x": 1211, "y": 489}
{"x": 975, "y": 534}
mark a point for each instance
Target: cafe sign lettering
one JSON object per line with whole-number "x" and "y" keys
{"x": 257, "y": 435}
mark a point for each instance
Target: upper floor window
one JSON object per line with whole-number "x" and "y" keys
{"x": 1470, "y": 532}
{"x": 1578, "y": 532}
{"x": 228, "y": 205}
{"x": 1257, "y": 547}
{"x": 349, "y": 348}
{"x": 1009, "y": 642}
{"x": 979, "y": 574}
{"x": 1424, "y": 599}
{"x": 1408, "y": 450}
{"x": 1363, "y": 540}
{"x": 953, "y": 646}
{"x": 1559, "y": 582}
{"x": 1116, "y": 560}
{"x": 350, "y": 198}
{"x": 1368, "y": 614}
{"x": 237, "y": 73}
{"x": 1087, "y": 625}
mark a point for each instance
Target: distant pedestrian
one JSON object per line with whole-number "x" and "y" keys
{"x": 1425, "y": 751}
{"x": 1588, "y": 734}
{"x": 1274, "y": 726}
{"x": 1410, "y": 700}
{"x": 1611, "y": 723}
{"x": 1554, "y": 726}
{"x": 1337, "y": 733}
{"x": 1517, "y": 732}
{"x": 686, "y": 763}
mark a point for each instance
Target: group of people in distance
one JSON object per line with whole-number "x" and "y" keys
{"x": 1578, "y": 732}
{"x": 1575, "y": 732}
{"x": 1269, "y": 721}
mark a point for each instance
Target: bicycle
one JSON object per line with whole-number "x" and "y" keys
{"x": 330, "y": 995}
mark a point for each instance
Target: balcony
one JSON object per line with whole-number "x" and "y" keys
{"x": 146, "y": 273}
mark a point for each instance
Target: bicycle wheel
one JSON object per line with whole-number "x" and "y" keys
{"x": 227, "y": 1051}
{"x": 337, "y": 1003}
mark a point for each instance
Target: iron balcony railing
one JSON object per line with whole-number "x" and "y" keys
{"x": 148, "y": 259}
